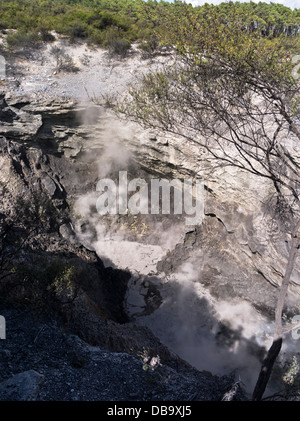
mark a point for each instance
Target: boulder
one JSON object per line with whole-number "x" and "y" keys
{"x": 22, "y": 387}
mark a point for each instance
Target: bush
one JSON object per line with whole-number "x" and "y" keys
{"x": 115, "y": 41}
{"x": 43, "y": 282}
{"x": 103, "y": 21}
{"x": 63, "y": 60}
{"x": 95, "y": 37}
{"x": 79, "y": 30}
{"x": 149, "y": 46}
{"x": 119, "y": 46}
{"x": 23, "y": 39}
{"x": 46, "y": 35}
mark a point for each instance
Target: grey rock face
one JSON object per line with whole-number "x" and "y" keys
{"x": 235, "y": 253}
{"x": 17, "y": 124}
{"x": 66, "y": 155}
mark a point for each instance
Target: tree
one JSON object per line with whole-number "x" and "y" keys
{"x": 231, "y": 92}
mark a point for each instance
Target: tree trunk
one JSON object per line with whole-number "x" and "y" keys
{"x": 272, "y": 354}
{"x": 266, "y": 369}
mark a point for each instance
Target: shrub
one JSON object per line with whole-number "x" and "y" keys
{"x": 95, "y": 37}
{"x": 78, "y": 30}
{"x": 23, "y": 39}
{"x": 105, "y": 20}
{"x": 119, "y": 46}
{"x": 115, "y": 41}
{"x": 149, "y": 46}
{"x": 63, "y": 60}
{"x": 45, "y": 282}
{"x": 46, "y": 35}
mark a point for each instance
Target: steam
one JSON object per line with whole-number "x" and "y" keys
{"x": 114, "y": 157}
{"x": 116, "y": 239}
{"x": 214, "y": 335}
{"x": 218, "y": 336}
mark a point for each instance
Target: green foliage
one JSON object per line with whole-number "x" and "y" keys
{"x": 89, "y": 19}
{"x": 23, "y": 39}
{"x": 78, "y": 30}
{"x": 219, "y": 57}
{"x": 113, "y": 38}
{"x": 149, "y": 45}
{"x": 119, "y": 46}
{"x": 45, "y": 34}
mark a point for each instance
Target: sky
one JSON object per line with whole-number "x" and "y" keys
{"x": 290, "y": 3}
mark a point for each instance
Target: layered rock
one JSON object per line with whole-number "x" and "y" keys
{"x": 94, "y": 294}
{"x": 65, "y": 146}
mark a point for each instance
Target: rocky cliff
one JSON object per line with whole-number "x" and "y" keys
{"x": 207, "y": 292}
{"x": 45, "y": 362}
